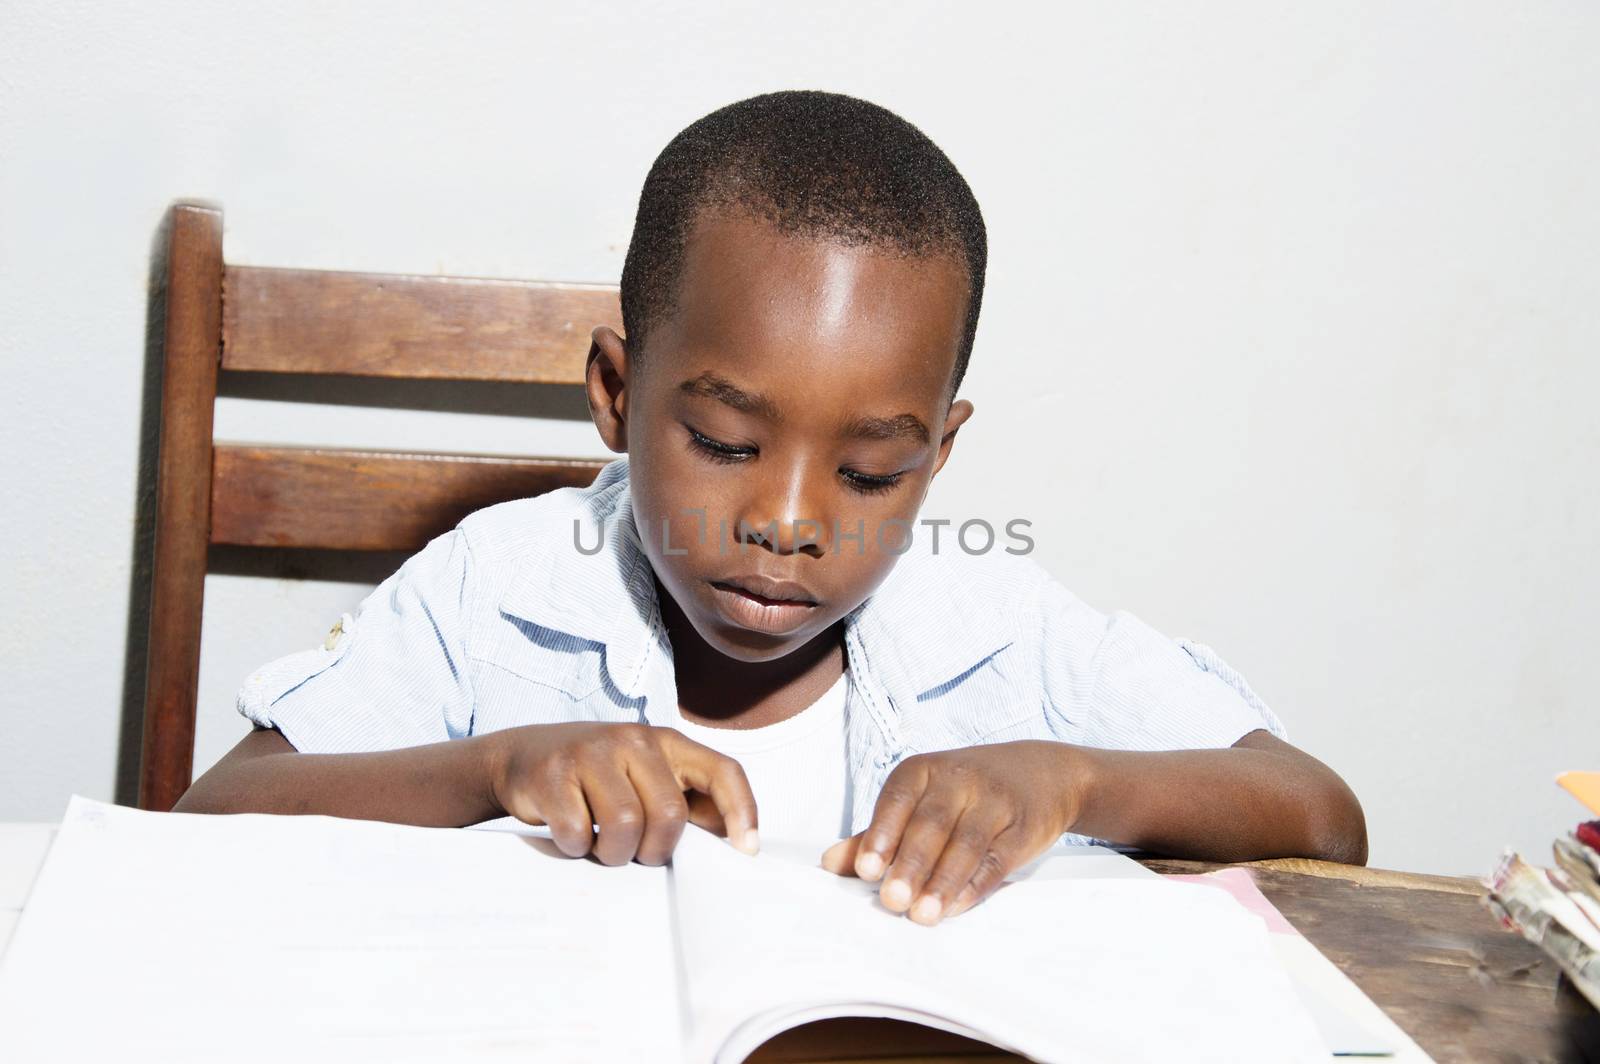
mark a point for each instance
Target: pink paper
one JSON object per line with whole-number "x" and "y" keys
{"x": 1237, "y": 881}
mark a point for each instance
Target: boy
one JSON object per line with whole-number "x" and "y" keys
{"x": 742, "y": 607}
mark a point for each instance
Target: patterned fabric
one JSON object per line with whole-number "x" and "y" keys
{"x": 504, "y": 622}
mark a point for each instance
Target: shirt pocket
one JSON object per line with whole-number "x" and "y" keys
{"x": 528, "y": 674}
{"x": 987, "y": 705}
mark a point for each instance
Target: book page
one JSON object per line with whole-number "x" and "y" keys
{"x": 173, "y": 937}
{"x": 1072, "y": 963}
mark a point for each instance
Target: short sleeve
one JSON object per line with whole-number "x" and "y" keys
{"x": 1114, "y": 682}
{"x": 393, "y": 674}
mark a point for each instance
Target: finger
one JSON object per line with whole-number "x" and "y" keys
{"x": 840, "y": 858}
{"x": 926, "y": 835}
{"x": 665, "y": 808}
{"x": 702, "y": 769}
{"x": 896, "y": 802}
{"x": 969, "y": 842}
{"x": 1003, "y": 855}
{"x": 618, "y": 813}
{"x": 558, "y": 803}
{"x": 704, "y": 814}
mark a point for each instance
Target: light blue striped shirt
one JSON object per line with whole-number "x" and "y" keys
{"x": 504, "y": 622}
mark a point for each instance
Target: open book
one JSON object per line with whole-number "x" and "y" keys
{"x": 177, "y": 937}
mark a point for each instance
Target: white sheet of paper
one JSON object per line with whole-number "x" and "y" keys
{"x": 1348, "y": 1021}
{"x": 278, "y": 946}
{"x": 1108, "y": 964}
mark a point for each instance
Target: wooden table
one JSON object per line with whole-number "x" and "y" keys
{"x": 1422, "y": 947}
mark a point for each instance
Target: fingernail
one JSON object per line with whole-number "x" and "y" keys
{"x": 927, "y": 909}
{"x": 869, "y": 865}
{"x": 749, "y": 842}
{"x": 897, "y": 894}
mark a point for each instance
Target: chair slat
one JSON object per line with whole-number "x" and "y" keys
{"x": 398, "y": 325}
{"x": 365, "y": 500}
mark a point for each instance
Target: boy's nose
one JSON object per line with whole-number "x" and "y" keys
{"x": 785, "y": 517}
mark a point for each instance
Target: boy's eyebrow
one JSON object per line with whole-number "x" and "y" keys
{"x": 899, "y": 427}
{"x": 710, "y": 386}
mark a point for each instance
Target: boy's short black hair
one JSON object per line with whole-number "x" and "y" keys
{"x": 813, "y": 164}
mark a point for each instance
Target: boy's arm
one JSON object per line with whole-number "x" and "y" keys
{"x": 624, "y": 791}
{"x": 949, "y": 826}
{"x": 442, "y": 784}
{"x": 1259, "y": 798}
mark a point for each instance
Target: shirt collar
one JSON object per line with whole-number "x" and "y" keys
{"x": 605, "y": 596}
{"x": 928, "y": 623}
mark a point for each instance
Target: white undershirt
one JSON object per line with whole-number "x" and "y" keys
{"x": 796, "y": 768}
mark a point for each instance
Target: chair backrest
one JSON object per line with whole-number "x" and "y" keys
{"x": 257, "y": 320}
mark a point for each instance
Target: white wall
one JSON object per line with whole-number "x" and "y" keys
{"x": 1290, "y": 342}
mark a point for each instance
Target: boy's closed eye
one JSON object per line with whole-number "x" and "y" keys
{"x": 894, "y": 444}
{"x": 861, "y": 480}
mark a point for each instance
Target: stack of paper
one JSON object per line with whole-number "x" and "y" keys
{"x": 171, "y": 937}
{"x": 1558, "y": 909}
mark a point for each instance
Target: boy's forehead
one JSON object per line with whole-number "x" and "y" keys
{"x": 756, "y": 299}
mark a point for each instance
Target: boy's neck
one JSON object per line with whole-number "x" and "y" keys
{"x": 723, "y": 692}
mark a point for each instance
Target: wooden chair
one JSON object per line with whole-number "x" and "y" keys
{"x": 249, "y": 319}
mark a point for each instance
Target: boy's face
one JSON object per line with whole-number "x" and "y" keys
{"x": 799, "y": 391}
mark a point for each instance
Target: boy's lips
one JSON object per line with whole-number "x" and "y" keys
{"x": 762, "y": 604}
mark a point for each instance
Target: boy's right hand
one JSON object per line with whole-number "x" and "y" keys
{"x": 638, "y": 784}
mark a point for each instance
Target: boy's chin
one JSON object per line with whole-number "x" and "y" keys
{"x": 753, "y": 648}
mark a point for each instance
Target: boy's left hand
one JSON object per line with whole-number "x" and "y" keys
{"x": 950, "y": 826}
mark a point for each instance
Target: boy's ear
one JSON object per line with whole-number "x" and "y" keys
{"x": 606, "y": 382}
{"x": 960, "y": 411}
